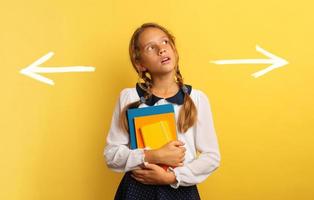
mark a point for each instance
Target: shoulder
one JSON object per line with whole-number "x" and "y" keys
{"x": 128, "y": 95}
{"x": 198, "y": 95}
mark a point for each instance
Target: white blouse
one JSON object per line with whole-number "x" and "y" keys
{"x": 199, "y": 138}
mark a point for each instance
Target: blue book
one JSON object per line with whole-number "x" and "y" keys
{"x": 145, "y": 111}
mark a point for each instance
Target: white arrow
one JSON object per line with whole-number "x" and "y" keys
{"x": 275, "y": 62}
{"x": 33, "y": 69}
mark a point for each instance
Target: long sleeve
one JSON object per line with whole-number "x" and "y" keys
{"x": 206, "y": 143}
{"x": 119, "y": 157}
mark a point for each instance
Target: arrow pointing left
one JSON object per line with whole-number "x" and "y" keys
{"x": 33, "y": 69}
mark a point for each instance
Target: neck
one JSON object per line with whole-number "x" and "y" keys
{"x": 164, "y": 85}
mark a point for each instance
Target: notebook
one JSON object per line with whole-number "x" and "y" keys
{"x": 147, "y": 122}
{"x": 156, "y": 135}
{"x": 139, "y": 122}
{"x": 144, "y": 111}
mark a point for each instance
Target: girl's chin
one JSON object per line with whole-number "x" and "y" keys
{"x": 166, "y": 68}
{"x": 164, "y": 71}
{"x": 167, "y": 65}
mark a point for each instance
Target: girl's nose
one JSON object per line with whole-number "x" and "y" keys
{"x": 162, "y": 50}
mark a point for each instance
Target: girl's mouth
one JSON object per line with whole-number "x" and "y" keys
{"x": 165, "y": 60}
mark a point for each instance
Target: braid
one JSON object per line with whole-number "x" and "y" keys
{"x": 188, "y": 112}
{"x": 179, "y": 77}
{"x": 146, "y": 86}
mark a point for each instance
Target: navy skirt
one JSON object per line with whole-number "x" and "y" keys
{"x": 131, "y": 189}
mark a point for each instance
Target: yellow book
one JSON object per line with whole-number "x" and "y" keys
{"x": 156, "y": 135}
{"x": 142, "y": 121}
{"x": 146, "y": 120}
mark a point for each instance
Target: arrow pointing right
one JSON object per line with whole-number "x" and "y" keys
{"x": 275, "y": 62}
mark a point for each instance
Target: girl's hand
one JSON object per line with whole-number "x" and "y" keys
{"x": 172, "y": 153}
{"x": 153, "y": 174}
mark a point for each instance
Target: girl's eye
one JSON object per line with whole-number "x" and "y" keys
{"x": 150, "y": 48}
{"x": 165, "y": 41}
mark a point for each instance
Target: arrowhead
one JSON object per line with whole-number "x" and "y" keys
{"x": 32, "y": 69}
{"x": 275, "y": 61}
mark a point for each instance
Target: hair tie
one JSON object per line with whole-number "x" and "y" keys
{"x": 185, "y": 89}
{"x": 142, "y": 99}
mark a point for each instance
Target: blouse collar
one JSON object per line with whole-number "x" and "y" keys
{"x": 178, "y": 98}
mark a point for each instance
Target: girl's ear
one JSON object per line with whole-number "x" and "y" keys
{"x": 140, "y": 67}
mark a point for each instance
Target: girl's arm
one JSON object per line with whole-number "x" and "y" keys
{"x": 119, "y": 157}
{"x": 206, "y": 143}
{"x": 171, "y": 154}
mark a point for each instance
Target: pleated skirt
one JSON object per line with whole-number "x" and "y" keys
{"x": 131, "y": 189}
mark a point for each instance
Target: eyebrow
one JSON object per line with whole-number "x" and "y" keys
{"x": 152, "y": 41}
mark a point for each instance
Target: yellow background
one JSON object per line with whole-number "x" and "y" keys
{"x": 52, "y": 137}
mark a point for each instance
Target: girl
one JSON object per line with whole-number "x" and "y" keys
{"x": 155, "y": 58}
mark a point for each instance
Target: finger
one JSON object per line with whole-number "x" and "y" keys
{"x": 183, "y": 149}
{"x": 151, "y": 166}
{"x": 139, "y": 172}
{"x": 177, "y": 143}
{"x": 138, "y": 176}
{"x": 136, "y": 170}
{"x": 138, "y": 179}
{"x": 178, "y": 165}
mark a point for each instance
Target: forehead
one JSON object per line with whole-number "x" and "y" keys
{"x": 150, "y": 35}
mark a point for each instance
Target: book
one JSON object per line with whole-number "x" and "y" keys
{"x": 141, "y": 112}
{"x": 140, "y": 117}
{"x": 139, "y": 122}
{"x": 156, "y": 135}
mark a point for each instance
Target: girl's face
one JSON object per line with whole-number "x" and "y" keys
{"x": 157, "y": 55}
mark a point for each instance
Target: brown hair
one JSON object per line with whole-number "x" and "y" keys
{"x": 188, "y": 111}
